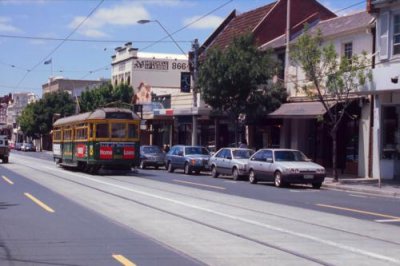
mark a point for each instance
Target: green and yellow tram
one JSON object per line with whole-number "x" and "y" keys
{"x": 106, "y": 137}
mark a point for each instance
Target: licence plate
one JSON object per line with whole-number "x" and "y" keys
{"x": 308, "y": 176}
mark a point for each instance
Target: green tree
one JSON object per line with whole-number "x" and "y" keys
{"x": 104, "y": 95}
{"x": 330, "y": 79}
{"x": 235, "y": 80}
{"x": 36, "y": 119}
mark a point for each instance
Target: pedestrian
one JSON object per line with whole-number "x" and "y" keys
{"x": 166, "y": 148}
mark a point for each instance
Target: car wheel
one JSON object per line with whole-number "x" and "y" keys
{"x": 316, "y": 185}
{"x": 169, "y": 167}
{"x": 235, "y": 174}
{"x": 252, "y": 177}
{"x": 156, "y": 167}
{"x": 278, "y": 179}
{"x": 187, "y": 169}
{"x": 214, "y": 172}
{"x": 142, "y": 165}
{"x": 197, "y": 172}
{"x": 5, "y": 160}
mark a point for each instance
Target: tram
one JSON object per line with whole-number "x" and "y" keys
{"x": 106, "y": 137}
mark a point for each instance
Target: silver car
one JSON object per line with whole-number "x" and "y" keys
{"x": 230, "y": 161}
{"x": 285, "y": 166}
{"x": 151, "y": 155}
{"x": 188, "y": 158}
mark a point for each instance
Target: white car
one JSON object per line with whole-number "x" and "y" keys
{"x": 230, "y": 161}
{"x": 283, "y": 167}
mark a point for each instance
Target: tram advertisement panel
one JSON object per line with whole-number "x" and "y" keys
{"x": 116, "y": 150}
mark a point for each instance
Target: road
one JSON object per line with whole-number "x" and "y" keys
{"x": 155, "y": 217}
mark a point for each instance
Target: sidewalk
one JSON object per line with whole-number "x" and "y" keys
{"x": 390, "y": 188}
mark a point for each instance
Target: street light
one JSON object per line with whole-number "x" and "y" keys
{"x": 144, "y": 21}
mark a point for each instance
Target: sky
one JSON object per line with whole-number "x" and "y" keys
{"x": 79, "y": 36}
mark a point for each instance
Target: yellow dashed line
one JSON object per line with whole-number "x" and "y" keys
{"x": 38, "y": 202}
{"x": 124, "y": 261}
{"x": 7, "y": 180}
{"x": 359, "y": 211}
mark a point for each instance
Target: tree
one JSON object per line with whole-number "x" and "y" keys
{"x": 236, "y": 80}
{"x": 103, "y": 95}
{"x": 331, "y": 79}
{"x": 36, "y": 119}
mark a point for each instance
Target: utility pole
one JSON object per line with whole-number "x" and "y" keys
{"x": 195, "y": 49}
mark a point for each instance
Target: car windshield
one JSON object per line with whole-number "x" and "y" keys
{"x": 151, "y": 149}
{"x": 242, "y": 154}
{"x": 196, "y": 150}
{"x": 290, "y": 156}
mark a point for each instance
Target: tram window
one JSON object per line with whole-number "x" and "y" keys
{"x": 118, "y": 130}
{"x": 57, "y": 135}
{"x": 101, "y": 130}
{"x": 81, "y": 133}
{"x": 132, "y": 131}
{"x": 68, "y": 134}
{"x": 90, "y": 128}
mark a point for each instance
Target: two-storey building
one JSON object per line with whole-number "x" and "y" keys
{"x": 300, "y": 128}
{"x": 386, "y": 89}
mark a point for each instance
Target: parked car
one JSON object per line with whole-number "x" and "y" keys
{"x": 188, "y": 158}
{"x": 230, "y": 161}
{"x": 285, "y": 166}
{"x": 18, "y": 146}
{"x": 28, "y": 146}
{"x": 151, "y": 155}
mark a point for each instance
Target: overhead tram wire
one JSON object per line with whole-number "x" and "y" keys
{"x": 172, "y": 33}
{"x": 60, "y": 44}
{"x": 200, "y": 18}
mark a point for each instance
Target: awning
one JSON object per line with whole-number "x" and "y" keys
{"x": 299, "y": 110}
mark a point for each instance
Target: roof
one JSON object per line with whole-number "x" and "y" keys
{"x": 330, "y": 27}
{"x": 240, "y": 24}
{"x": 96, "y": 114}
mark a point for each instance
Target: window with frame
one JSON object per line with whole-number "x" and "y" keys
{"x": 133, "y": 131}
{"x": 390, "y": 132}
{"x": 68, "y": 134}
{"x": 57, "y": 135}
{"x": 81, "y": 133}
{"x": 118, "y": 130}
{"x": 396, "y": 34}
{"x": 102, "y": 131}
{"x": 348, "y": 50}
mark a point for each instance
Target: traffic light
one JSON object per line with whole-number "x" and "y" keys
{"x": 185, "y": 81}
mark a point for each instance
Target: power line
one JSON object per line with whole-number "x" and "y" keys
{"x": 162, "y": 39}
{"x": 189, "y": 24}
{"x": 353, "y": 5}
{"x": 75, "y": 40}
{"x": 61, "y": 43}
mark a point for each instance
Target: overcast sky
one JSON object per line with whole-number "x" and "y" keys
{"x": 32, "y": 31}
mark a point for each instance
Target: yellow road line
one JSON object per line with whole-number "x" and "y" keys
{"x": 124, "y": 261}
{"x": 359, "y": 211}
{"x": 38, "y": 202}
{"x": 7, "y": 180}
{"x": 198, "y": 184}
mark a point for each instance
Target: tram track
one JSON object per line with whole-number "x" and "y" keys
{"x": 208, "y": 225}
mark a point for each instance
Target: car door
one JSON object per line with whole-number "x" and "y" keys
{"x": 256, "y": 164}
{"x": 224, "y": 161}
{"x": 218, "y": 160}
{"x": 180, "y": 157}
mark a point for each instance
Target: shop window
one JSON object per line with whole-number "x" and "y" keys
{"x": 390, "y": 132}
{"x": 396, "y": 34}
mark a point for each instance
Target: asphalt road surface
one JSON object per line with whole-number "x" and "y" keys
{"x": 154, "y": 217}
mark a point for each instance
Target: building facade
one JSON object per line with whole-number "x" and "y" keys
{"x": 386, "y": 90}
{"x": 157, "y": 77}
{"x": 300, "y": 127}
{"x": 73, "y": 86}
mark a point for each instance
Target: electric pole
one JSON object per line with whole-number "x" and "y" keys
{"x": 195, "y": 49}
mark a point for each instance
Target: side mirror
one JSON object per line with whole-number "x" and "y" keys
{"x": 308, "y": 160}
{"x": 180, "y": 153}
{"x": 229, "y": 158}
{"x": 268, "y": 160}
